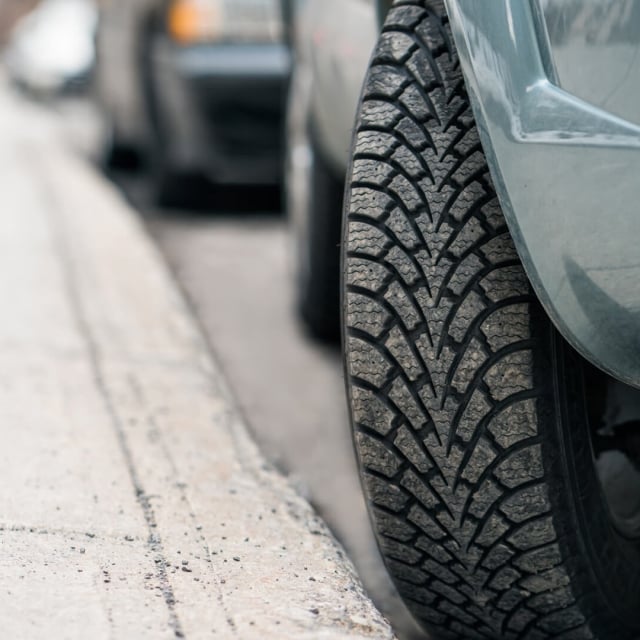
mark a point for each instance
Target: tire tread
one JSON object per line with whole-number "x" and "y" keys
{"x": 451, "y": 453}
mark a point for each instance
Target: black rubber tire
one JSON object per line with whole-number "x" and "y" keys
{"x": 468, "y": 409}
{"x": 171, "y": 188}
{"x": 115, "y": 154}
{"x": 317, "y": 271}
{"x": 118, "y": 156}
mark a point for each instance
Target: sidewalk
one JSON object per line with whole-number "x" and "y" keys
{"x": 133, "y": 503}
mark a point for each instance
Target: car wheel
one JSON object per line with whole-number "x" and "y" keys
{"x": 117, "y": 155}
{"x": 172, "y": 188}
{"x": 480, "y": 434}
{"x": 314, "y": 210}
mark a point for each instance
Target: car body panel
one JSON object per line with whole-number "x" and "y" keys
{"x": 119, "y": 89}
{"x": 597, "y": 40}
{"x": 333, "y": 44}
{"x": 566, "y": 171}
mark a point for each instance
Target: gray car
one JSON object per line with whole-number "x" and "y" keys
{"x": 330, "y": 59}
{"x": 197, "y": 87}
{"x": 490, "y": 305}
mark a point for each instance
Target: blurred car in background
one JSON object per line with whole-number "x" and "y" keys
{"x": 332, "y": 42}
{"x": 52, "y": 49}
{"x": 197, "y": 87}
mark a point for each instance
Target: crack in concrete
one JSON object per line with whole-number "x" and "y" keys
{"x": 154, "y": 542}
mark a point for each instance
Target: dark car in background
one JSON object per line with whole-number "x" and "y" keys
{"x": 196, "y": 88}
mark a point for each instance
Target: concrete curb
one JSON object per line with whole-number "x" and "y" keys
{"x": 134, "y": 502}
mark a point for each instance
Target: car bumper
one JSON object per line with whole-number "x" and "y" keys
{"x": 222, "y": 109}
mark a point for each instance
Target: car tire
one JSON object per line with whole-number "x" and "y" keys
{"x": 172, "y": 188}
{"x": 314, "y": 210}
{"x": 472, "y": 418}
{"x": 116, "y": 154}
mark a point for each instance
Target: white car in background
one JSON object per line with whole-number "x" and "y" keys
{"x": 52, "y": 49}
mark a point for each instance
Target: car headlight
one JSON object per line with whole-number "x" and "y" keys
{"x": 248, "y": 21}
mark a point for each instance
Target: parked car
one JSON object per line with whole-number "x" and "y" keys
{"x": 330, "y": 60}
{"x": 491, "y": 304}
{"x": 197, "y": 87}
{"x": 51, "y": 49}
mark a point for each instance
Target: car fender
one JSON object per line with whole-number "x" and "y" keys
{"x": 567, "y": 175}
